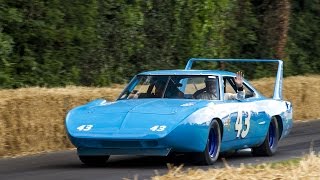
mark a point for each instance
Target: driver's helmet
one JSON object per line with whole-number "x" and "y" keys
{"x": 210, "y": 79}
{"x": 160, "y": 84}
{"x": 210, "y": 82}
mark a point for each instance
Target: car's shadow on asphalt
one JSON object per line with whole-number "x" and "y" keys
{"x": 156, "y": 162}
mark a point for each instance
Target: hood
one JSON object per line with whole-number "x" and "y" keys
{"x": 138, "y": 118}
{"x": 141, "y": 106}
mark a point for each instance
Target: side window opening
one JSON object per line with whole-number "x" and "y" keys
{"x": 249, "y": 92}
{"x": 230, "y": 87}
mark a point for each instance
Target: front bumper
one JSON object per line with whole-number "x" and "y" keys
{"x": 85, "y": 151}
{"x": 184, "y": 138}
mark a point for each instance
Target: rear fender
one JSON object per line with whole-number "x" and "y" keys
{"x": 280, "y": 125}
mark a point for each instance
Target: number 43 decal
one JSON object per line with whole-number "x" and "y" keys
{"x": 85, "y": 127}
{"x": 158, "y": 128}
{"x": 239, "y": 127}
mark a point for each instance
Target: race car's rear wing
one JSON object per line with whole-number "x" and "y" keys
{"x": 277, "y": 93}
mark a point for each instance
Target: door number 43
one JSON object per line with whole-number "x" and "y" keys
{"x": 240, "y": 127}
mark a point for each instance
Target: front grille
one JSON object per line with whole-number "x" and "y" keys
{"x": 120, "y": 144}
{"x": 102, "y": 143}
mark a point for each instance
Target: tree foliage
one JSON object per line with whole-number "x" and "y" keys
{"x": 304, "y": 37}
{"x": 99, "y": 42}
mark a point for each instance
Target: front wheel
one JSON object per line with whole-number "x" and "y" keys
{"x": 211, "y": 152}
{"x": 270, "y": 144}
{"x": 94, "y": 160}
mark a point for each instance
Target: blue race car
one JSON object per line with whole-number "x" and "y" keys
{"x": 173, "y": 111}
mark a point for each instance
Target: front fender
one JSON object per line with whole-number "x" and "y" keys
{"x": 192, "y": 133}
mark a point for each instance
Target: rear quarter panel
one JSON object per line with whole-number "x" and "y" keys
{"x": 260, "y": 111}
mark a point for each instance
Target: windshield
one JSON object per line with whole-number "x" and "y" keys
{"x": 173, "y": 87}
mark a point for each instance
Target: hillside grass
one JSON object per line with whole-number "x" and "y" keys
{"x": 32, "y": 119}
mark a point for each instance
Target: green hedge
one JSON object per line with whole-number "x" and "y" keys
{"x": 99, "y": 42}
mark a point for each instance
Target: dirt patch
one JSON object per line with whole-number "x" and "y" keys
{"x": 32, "y": 119}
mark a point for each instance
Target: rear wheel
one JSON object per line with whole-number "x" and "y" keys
{"x": 270, "y": 144}
{"x": 211, "y": 152}
{"x": 94, "y": 160}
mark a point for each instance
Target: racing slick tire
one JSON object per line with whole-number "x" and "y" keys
{"x": 94, "y": 160}
{"x": 211, "y": 152}
{"x": 270, "y": 144}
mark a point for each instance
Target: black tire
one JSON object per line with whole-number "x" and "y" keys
{"x": 270, "y": 144}
{"x": 94, "y": 160}
{"x": 211, "y": 152}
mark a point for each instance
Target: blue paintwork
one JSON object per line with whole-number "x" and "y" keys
{"x": 124, "y": 126}
{"x": 188, "y": 72}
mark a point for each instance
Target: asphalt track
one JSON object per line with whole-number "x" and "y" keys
{"x": 65, "y": 164}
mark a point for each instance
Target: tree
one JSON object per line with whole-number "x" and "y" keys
{"x": 304, "y": 37}
{"x": 5, "y": 65}
{"x": 273, "y": 16}
{"x": 120, "y": 28}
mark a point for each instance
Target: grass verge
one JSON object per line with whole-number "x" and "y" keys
{"x": 307, "y": 168}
